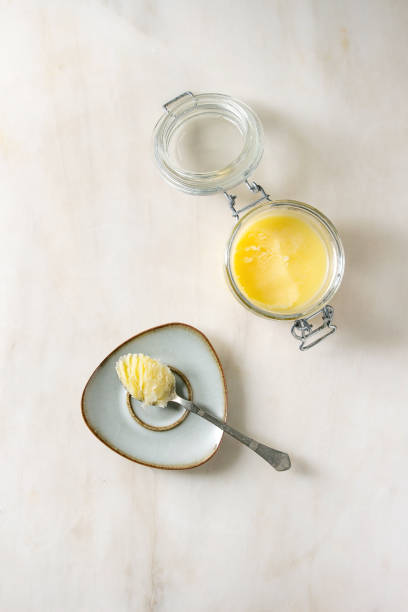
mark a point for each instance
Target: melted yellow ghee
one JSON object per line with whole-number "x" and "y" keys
{"x": 279, "y": 263}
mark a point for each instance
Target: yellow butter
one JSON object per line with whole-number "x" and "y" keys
{"x": 279, "y": 263}
{"x": 146, "y": 379}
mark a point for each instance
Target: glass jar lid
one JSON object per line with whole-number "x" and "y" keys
{"x": 207, "y": 143}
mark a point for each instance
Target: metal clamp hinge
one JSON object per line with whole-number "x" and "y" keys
{"x": 302, "y": 329}
{"x": 255, "y": 188}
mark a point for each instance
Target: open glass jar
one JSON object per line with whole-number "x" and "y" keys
{"x": 209, "y": 143}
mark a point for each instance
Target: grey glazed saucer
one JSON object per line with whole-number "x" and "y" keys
{"x": 167, "y": 438}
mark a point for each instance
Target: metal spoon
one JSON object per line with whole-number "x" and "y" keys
{"x": 280, "y": 461}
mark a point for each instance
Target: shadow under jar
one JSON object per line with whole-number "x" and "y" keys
{"x": 284, "y": 259}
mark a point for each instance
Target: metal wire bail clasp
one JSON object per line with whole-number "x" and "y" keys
{"x": 302, "y": 329}
{"x": 254, "y": 188}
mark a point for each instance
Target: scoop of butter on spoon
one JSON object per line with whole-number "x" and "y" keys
{"x": 153, "y": 383}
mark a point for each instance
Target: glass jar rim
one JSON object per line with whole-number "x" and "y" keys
{"x": 188, "y": 106}
{"x": 337, "y": 277}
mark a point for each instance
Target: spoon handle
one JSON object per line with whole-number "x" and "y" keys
{"x": 280, "y": 461}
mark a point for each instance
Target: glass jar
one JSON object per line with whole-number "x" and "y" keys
{"x": 209, "y": 143}
{"x": 329, "y": 237}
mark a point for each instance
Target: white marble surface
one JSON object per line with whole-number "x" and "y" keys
{"x": 86, "y": 224}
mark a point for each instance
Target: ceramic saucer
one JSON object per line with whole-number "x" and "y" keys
{"x": 167, "y": 438}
